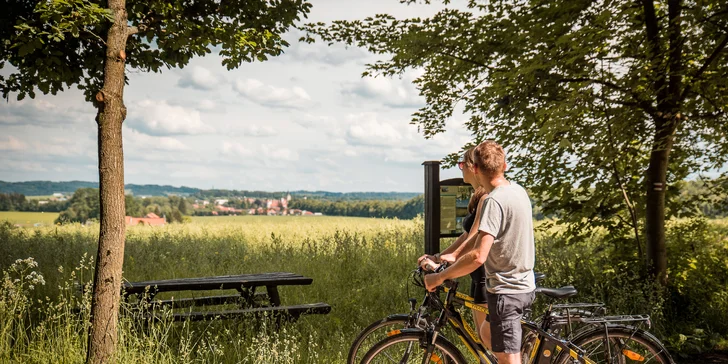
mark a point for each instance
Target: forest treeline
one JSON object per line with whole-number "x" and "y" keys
{"x": 46, "y": 188}
{"x": 690, "y": 198}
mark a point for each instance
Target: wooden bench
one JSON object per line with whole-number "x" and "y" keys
{"x": 251, "y": 303}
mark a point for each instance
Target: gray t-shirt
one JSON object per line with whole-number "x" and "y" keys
{"x": 507, "y": 216}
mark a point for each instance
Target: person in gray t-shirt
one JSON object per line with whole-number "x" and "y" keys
{"x": 505, "y": 245}
{"x": 506, "y": 216}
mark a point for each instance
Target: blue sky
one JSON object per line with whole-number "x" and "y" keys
{"x": 304, "y": 120}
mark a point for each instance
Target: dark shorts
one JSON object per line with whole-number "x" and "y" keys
{"x": 477, "y": 285}
{"x": 506, "y": 311}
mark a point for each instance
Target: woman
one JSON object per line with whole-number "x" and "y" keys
{"x": 470, "y": 230}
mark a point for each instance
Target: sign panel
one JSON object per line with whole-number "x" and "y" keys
{"x": 453, "y": 208}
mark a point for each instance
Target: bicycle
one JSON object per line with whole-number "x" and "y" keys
{"x": 418, "y": 317}
{"x": 613, "y": 343}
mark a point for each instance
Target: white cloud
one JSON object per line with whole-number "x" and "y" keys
{"x": 335, "y": 55}
{"x": 369, "y": 129}
{"x": 12, "y": 144}
{"x": 236, "y": 150}
{"x": 134, "y": 140}
{"x": 281, "y": 154}
{"x": 261, "y": 153}
{"x": 206, "y": 105}
{"x": 391, "y": 92}
{"x": 259, "y": 131}
{"x": 41, "y": 112}
{"x": 159, "y": 118}
{"x": 199, "y": 78}
{"x": 25, "y": 166}
{"x": 66, "y": 147}
{"x": 271, "y": 96}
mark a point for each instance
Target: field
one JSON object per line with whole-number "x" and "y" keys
{"x": 359, "y": 266}
{"x": 42, "y": 197}
{"x": 28, "y": 219}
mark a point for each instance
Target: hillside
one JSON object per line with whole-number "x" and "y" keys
{"x": 45, "y": 188}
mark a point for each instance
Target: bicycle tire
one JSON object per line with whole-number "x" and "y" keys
{"x": 447, "y": 353}
{"x": 394, "y": 321}
{"x": 627, "y": 345}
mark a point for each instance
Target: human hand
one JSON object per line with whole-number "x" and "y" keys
{"x": 426, "y": 256}
{"x": 428, "y": 265}
{"x": 447, "y": 258}
{"x": 432, "y": 281}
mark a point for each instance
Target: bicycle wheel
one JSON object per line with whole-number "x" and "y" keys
{"x": 405, "y": 348}
{"x": 374, "y": 333}
{"x": 626, "y": 345}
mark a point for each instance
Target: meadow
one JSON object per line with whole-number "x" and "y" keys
{"x": 358, "y": 265}
{"x": 28, "y": 219}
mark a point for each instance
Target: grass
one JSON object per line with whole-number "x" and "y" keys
{"x": 358, "y": 265}
{"x": 28, "y": 219}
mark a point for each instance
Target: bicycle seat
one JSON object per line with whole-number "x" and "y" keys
{"x": 563, "y": 292}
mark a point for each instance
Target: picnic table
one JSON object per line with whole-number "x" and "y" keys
{"x": 248, "y": 299}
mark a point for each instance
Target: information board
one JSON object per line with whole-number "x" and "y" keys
{"x": 453, "y": 208}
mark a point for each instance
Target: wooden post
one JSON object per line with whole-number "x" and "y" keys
{"x": 432, "y": 207}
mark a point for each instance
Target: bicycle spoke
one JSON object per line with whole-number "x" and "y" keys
{"x": 389, "y": 357}
{"x": 622, "y": 348}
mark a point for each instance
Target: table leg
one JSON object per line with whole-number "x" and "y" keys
{"x": 248, "y": 294}
{"x": 275, "y": 299}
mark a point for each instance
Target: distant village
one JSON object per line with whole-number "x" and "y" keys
{"x": 269, "y": 207}
{"x": 233, "y": 206}
{"x": 221, "y": 207}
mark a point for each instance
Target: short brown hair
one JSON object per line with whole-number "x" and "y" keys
{"x": 490, "y": 157}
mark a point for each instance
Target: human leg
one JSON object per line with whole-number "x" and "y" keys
{"x": 506, "y": 311}
{"x": 483, "y": 326}
{"x": 479, "y": 293}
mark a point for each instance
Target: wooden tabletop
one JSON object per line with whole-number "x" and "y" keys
{"x": 218, "y": 282}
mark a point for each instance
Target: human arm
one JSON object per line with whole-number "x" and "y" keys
{"x": 467, "y": 263}
{"x": 468, "y": 243}
{"x": 436, "y": 258}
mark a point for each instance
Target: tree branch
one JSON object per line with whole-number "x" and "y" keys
{"x": 644, "y": 105}
{"x": 704, "y": 67}
{"x": 467, "y": 60}
{"x": 95, "y": 35}
{"x": 132, "y": 30}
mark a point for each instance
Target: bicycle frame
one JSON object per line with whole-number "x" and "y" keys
{"x": 546, "y": 344}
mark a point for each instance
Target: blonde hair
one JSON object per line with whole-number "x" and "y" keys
{"x": 469, "y": 157}
{"x": 475, "y": 198}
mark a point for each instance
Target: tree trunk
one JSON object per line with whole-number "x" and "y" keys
{"x": 110, "y": 258}
{"x": 655, "y": 211}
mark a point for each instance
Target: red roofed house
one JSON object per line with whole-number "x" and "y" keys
{"x": 150, "y": 219}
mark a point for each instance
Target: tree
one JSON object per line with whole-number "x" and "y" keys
{"x": 83, "y": 206}
{"x": 87, "y": 43}
{"x": 133, "y": 206}
{"x": 603, "y": 105}
{"x": 182, "y": 207}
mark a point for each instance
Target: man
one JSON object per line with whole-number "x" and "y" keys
{"x": 505, "y": 244}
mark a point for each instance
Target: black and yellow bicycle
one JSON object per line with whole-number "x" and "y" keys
{"x": 602, "y": 339}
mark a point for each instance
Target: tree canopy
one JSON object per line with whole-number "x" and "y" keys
{"x": 602, "y": 105}
{"x": 55, "y": 44}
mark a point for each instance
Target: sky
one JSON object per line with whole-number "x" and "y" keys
{"x": 305, "y": 120}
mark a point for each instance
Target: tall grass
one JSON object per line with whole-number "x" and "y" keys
{"x": 359, "y": 266}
